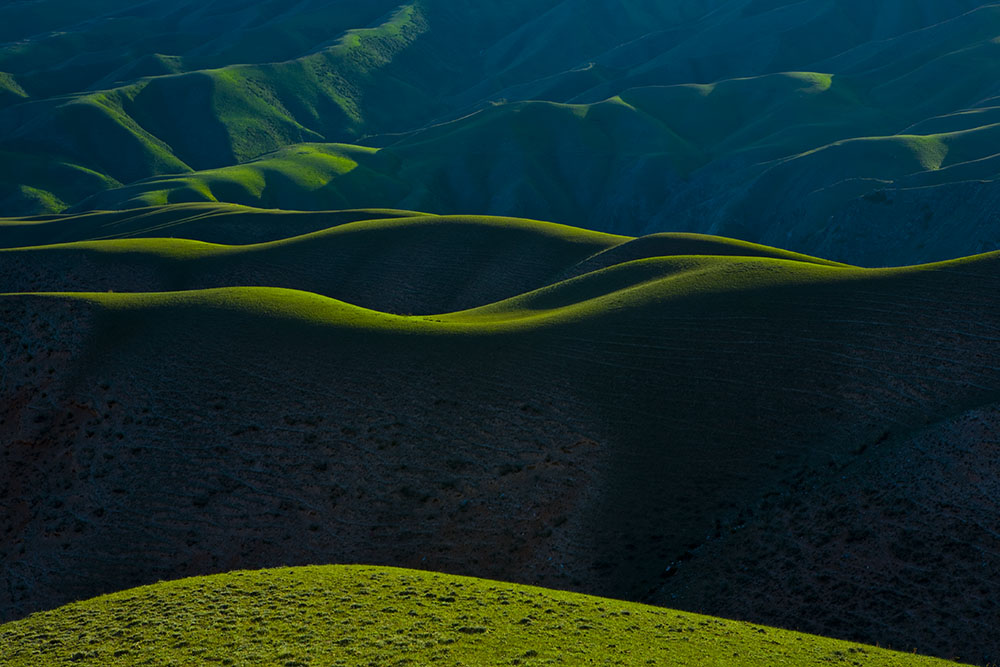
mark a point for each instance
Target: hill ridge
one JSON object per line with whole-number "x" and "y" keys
{"x": 443, "y": 621}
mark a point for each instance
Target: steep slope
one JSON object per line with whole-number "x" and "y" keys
{"x": 367, "y": 615}
{"x": 229, "y": 114}
{"x": 571, "y": 162}
{"x": 70, "y": 48}
{"x": 769, "y": 121}
{"x": 773, "y": 159}
{"x": 592, "y": 431}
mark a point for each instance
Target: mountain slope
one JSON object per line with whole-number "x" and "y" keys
{"x": 767, "y": 158}
{"x": 215, "y": 223}
{"x": 730, "y": 117}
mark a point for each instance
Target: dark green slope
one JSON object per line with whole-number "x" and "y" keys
{"x": 676, "y": 157}
{"x": 212, "y": 117}
{"x": 10, "y": 90}
{"x": 574, "y": 162}
{"x": 750, "y": 38}
{"x": 73, "y": 48}
{"x": 590, "y": 432}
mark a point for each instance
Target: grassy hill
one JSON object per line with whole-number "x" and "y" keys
{"x": 210, "y": 223}
{"x": 463, "y": 262}
{"x": 640, "y": 400}
{"x": 368, "y": 615}
{"x": 275, "y": 291}
{"x": 466, "y": 261}
{"x": 784, "y": 148}
{"x": 768, "y": 121}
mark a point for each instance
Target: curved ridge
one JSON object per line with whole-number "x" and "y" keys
{"x": 313, "y": 614}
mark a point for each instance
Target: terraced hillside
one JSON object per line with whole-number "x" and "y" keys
{"x": 832, "y": 128}
{"x": 500, "y": 398}
{"x": 366, "y": 615}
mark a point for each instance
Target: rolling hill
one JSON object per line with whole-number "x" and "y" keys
{"x": 785, "y": 123}
{"x": 600, "y": 411}
{"x": 689, "y": 304}
{"x": 367, "y": 615}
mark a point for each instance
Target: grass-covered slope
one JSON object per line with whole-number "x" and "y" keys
{"x": 412, "y": 264}
{"x": 368, "y": 615}
{"x": 590, "y": 433}
{"x": 225, "y": 224}
{"x": 428, "y": 264}
{"x": 767, "y": 158}
{"x": 767, "y": 121}
{"x": 567, "y": 162}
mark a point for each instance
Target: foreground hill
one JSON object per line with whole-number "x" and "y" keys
{"x": 635, "y": 402}
{"x": 368, "y": 615}
{"x": 797, "y": 124}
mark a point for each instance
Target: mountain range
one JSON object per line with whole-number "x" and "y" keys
{"x": 828, "y": 127}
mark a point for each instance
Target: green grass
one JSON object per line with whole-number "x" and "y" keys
{"x": 209, "y": 222}
{"x": 310, "y": 174}
{"x": 642, "y": 283}
{"x": 664, "y": 117}
{"x": 465, "y": 261}
{"x": 231, "y": 113}
{"x": 38, "y": 183}
{"x": 356, "y": 615}
{"x": 675, "y": 358}
{"x": 594, "y": 298}
{"x": 657, "y": 133}
{"x": 10, "y": 90}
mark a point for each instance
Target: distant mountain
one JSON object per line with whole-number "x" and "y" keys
{"x": 861, "y": 131}
{"x": 506, "y": 398}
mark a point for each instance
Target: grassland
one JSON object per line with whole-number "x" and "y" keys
{"x": 384, "y": 616}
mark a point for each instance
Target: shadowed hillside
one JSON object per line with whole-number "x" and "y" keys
{"x": 776, "y": 122}
{"x": 411, "y": 264}
{"x": 595, "y": 431}
{"x": 869, "y": 542}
